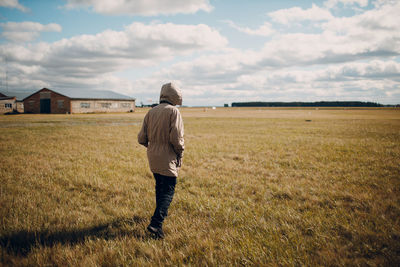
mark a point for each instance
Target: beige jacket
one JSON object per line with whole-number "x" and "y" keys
{"x": 162, "y": 133}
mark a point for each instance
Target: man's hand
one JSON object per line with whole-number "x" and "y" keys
{"x": 178, "y": 162}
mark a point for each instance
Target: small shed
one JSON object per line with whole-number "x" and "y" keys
{"x": 18, "y": 104}
{"x": 7, "y": 104}
{"x": 12, "y": 102}
{"x": 77, "y": 101}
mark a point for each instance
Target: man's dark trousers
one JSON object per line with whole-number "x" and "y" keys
{"x": 165, "y": 189}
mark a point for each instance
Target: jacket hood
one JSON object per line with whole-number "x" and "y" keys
{"x": 171, "y": 93}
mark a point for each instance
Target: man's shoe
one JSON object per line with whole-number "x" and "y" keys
{"x": 156, "y": 232}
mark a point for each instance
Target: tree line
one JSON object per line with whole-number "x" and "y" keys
{"x": 308, "y": 104}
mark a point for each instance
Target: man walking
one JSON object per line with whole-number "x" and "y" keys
{"x": 162, "y": 134}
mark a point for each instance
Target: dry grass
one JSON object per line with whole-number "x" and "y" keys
{"x": 258, "y": 187}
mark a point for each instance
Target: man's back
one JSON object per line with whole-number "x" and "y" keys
{"x": 159, "y": 123}
{"x": 162, "y": 134}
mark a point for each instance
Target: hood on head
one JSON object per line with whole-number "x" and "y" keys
{"x": 171, "y": 93}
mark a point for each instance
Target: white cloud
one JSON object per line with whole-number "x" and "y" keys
{"x": 353, "y": 58}
{"x": 338, "y": 64}
{"x": 139, "y": 42}
{"x": 374, "y": 70}
{"x": 264, "y": 30}
{"x": 377, "y": 21}
{"x": 142, "y": 7}
{"x": 30, "y": 26}
{"x": 297, "y": 14}
{"x": 365, "y": 81}
{"x": 13, "y": 4}
{"x": 26, "y": 31}
{"x": 180, "y": 36}
{"x": 334, "y": 3}
{"x": 379, "y": 3}
{"x": 91, "y": 60}
{"x": 373, "y": 33}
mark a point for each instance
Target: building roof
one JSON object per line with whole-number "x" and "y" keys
{"x": 88, "y": 94}
{"x": 7, "y": 97}
{"x": 91, "y": 94}
{"x": 19, "y": 94}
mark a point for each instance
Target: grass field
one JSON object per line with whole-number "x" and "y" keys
{"x": 257, "y": 187}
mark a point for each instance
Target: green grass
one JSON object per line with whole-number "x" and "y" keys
{"x": 257, "y": 187}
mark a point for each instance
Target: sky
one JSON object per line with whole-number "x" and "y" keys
{"x": 216, "y": 51}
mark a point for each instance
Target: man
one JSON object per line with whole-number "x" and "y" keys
{"x": 162, "y": 134}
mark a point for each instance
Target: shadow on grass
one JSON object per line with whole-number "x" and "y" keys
{"x": 22, "y": 242}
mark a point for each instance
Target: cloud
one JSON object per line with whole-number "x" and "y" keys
{"x": 374, "y": 33}
{"x": 380, "y": 3}
{"x": 232, "y": 76}
{"x": 376, "y": 70}
{"x": 138, "y": 45}
{"x": 334, "y": 3}
{"x": 91, "y": 60}
{"x": 297, "y": 14}
{"x": 352, "y": 59}
{"x": 372, "y": 81}
{"x": 26, "y": 31}
{"x": 30, "y": 26}
{"x": 363, "y": 39}
{"x": 142, "y": 7}
{"x": 377, "y": 21}
{"x": 264, "y": 30}
{"x": 13, "y": 4}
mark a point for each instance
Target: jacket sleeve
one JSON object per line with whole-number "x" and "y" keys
{"x": 176, "y": 133}
{"x": 142, "y": 136}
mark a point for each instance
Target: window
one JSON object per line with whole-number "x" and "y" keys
{"x": 45, "y": 95}
{"x": 31, "y": 102}
{"x": 85, "y": 105}
{"x": 106, "y": 105}
{"x": 8, "y": 105}
{"x": 60, "y": 103}
{"x": 125, "y": 105}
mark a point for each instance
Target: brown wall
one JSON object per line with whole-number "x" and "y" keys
{"x": 32, "y": 103}
{"x": 20, "y": 106}
{"x": 91, "y": 106}
{"x": 3, "y": 103}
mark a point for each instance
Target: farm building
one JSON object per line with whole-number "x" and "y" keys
{"x": 7, "y": 104}
{"x": 77, "y": 101}
{"x": 11, "y": 102}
